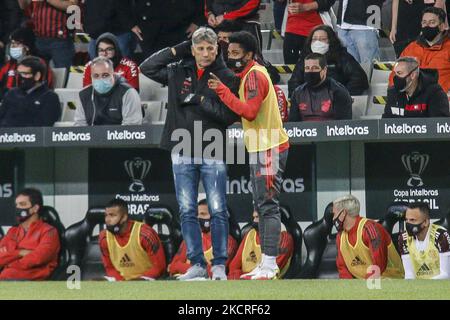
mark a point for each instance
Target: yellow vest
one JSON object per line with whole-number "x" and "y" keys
{"x": 358, "y": 259}
{"x": 251, "y": 254}
{"x": 266, "y": 131}
{"x": 131, "y": 260}
{"x": 426, "y": 263}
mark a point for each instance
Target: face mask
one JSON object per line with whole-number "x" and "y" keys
{"x": 338, "y": 224}
{"x": 429, "y": 33}
{"x": 115, "y": 228}
{"x": 255, "y": 225}
{"x": 26, "y": 83}
{"x": 401, "y": 83}
{"x": 205, "y": 225}
{"x": 23, "y": 215}
{"x": 312, "y": 78}
{"x": 102, "y": 86}
{"x": 413, "y": 229}
{"x": 236, "y": 65}
{"x": 319, "y": 47}
{"x": 16, "y": 53}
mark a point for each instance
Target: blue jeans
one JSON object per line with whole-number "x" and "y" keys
{"x": 361, "y": 44}
{"x": 187, "y": 176}
{"x": 127, "y": 44}
{"x": 61, "y": 51}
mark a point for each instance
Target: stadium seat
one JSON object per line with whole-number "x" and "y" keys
{"x": 150, "y": 90}
{"x": 152, "y": 111}
{"x": 75, "y": 80}
{"x": 395, "y": 214}
{"x": 168, "y": 229}
{"x": 163, "y": 113}
{"x": 359, "y": 107}
{"x": 70, "y": 100}
{"x": 376, "y": 101}
{"x": 321, "y": 249}
{"x": 59, "y": 77}
{"x": 443, "y": 222}
{"x": 233, "y": 227}
{"x": 83, "y": 246}
{"x": 381, "y": 71}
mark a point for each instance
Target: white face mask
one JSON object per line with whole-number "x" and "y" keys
{"x": 319, "y": 47}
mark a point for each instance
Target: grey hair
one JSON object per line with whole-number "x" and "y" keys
{"x": 350, "y": 203}
{"x": 103, "y": 60}
{"x": 411, "y": 62}
{"x": 204, "y": 34}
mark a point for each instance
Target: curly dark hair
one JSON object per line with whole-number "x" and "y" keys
{"x": 336, "y": 46}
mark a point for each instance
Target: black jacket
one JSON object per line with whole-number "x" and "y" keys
{"x": 328, "y": 101}
{"x": 39, "y": 108}
{"x": 429, "y": 100}
{"x": 185, "y": 91}
{"x": 115, "y": 16}
{"x": 10, "y": 18}
{"x": 357, "y": 12}
{"x": 345, "y": 70}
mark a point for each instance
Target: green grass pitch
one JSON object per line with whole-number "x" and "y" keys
{"x": 226, "y": 290}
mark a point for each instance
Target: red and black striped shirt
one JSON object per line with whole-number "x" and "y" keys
{"x": 48, "y": 21}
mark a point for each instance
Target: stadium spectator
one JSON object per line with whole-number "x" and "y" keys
{"x": 114, "y": 16}
{"x": 362, "y": 243}
{"x": 180, "y": 263}
{"x": 108, "y": 46}
{"x": 248, "y": 255}
{"x": 424, "y": 247}
{"x": 224, "y": 31}
{"x": 193, "y": 105}
{"x": 54, "y": 39}
{"x": 360, "y": 38}
{"x": 109, "y": 100}
{"x": 320, "y": 98}
{"x": 244, "y": 11}
{"x": 432, "y": 47}
{"x": 406, "y": 21}
{"x": 32, "y": 103}
{"x": 265, "y": 139}
{"x": 341, "y": 66}
{"x": 131, "y": 250}
{"x": 10, "y": 18}
{"x": 21, "y": 45}
{"x": 161, "y": 23}
{"x": 415, "y": 93}
{"x": 303, "y": 16}
{"x": 279, "y": 6}
{"x": 29, "y": 251}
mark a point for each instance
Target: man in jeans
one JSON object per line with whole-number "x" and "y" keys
{"x": 194, "y": 110}
{"x": 54, "y": 40}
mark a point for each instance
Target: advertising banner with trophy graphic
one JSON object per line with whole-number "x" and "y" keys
{"x": 407, "y": 172}
{"x": 142, "y": 177}
{"x": 11, "y": 167}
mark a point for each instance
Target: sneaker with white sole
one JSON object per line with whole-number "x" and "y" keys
{"x": 218, "y": 272}
{"x": 267, "y": 274}
{"x": 195, "y": 273}
{"x": 249, "y": 275}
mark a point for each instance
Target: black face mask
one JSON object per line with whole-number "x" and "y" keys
{"x": 26, "y": 83}
{"x": 255, "y": 225}
{"x": 429, "y": 33}
{"x": 115, "y": 228}
{"x": 312, "y": 78}
{"x": 338, "y": 224}
{"x": 205, "y": 225}
{"x": 23, "y": 215}
{"x": 413, "y": 229}
{"x": 401, "y": 83}
{"x": 237, "y": 65}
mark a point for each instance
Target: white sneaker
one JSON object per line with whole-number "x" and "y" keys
{"x": 218, "y": 272}
{"x": 267, "y": 274}
{"x": 249, "y": 275}
{"x": 194, "y": 273}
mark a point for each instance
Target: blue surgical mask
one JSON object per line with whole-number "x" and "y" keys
{"x": 102, "y": 86}
{"x": 16, "y": 53}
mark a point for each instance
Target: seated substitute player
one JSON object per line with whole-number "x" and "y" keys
{"x": 249, "y": 253}
{"x": 180, "y": 263}
{"x": 425, "y": 247}
{"x": 131, "y": 250}
{"x": 362, "y": 244}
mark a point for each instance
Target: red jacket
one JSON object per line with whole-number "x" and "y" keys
{"x": 127, "y": 68}
{"x": 8, "y": 75}
{"x": 302, "y": 23}
{"x": 286, "y": 249}
{"x": 179, "y": 264}
{"x": 245, "y": 11}
{"x": 149, "y": 241}
{"x": 375, "y": 237}
{"x": 42, "y": 239}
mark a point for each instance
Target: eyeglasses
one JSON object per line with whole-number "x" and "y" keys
{"x": 107, "y": 50}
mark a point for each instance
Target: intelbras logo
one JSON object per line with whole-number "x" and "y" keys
{"x": 296, "y": 132}
{"x": 17, "y": 138}
{"x": 125, "y": 135}
{"x": 70, "y": 136}
{"x": 404, "y": 128}
{"x": 347, "y": 130}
